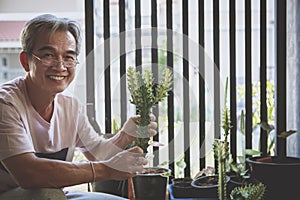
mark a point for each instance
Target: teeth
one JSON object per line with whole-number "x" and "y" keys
{"x": 58, "y": 78}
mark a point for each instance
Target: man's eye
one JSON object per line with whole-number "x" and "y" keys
{"x": 48, "y": 56}
{"x": 69, "y": 58}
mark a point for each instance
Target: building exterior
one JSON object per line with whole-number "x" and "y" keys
{"x": 12, "y": 20}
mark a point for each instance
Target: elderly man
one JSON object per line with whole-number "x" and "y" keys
{"x": 40, "y": 127}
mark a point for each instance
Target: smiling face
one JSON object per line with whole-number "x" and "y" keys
{"x": 51, "y": 80}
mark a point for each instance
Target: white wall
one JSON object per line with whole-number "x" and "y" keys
{"x": 11, "y": 6}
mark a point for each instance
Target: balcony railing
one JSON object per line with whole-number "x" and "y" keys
{"x": 186, "y": 58}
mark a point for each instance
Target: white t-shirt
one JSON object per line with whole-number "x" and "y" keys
{"x": 23, "y": 130}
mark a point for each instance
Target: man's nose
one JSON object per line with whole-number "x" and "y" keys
{"x": 60, "y": 65}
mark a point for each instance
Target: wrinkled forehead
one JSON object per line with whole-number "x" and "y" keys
{"x": 55, "y": 40}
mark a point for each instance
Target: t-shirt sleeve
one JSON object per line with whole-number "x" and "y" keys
{"x": 93, "y": 142}
{"x": 14, "y": 138}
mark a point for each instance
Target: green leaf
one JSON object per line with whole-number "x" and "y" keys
{"x": 166, "y": 174}
{"x": 181, "y": 163}
{"x": 252, "y": 152}
{"x": 286, "y": 134}
{"x": 266, "y": 126}
{"x": 234, "y": 167}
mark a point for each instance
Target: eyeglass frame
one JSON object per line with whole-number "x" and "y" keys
{"x": 53, "y": 61}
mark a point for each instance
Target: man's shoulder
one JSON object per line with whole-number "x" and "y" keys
{"x": 11, "y": 90}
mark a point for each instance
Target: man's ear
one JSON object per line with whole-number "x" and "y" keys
{"x": 24, "y": 61}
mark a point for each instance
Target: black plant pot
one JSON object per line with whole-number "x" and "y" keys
{"x": 207, "y": 190}
{"x": 237, "y": 181}
{"x": 151, "y": 185}
{"x": 281, "y": 176}
{"x": 182, "y": 188}
{"x": 119, "y": 188}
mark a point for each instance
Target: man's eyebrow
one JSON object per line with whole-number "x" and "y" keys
{"x": 46, "y": 48}
{"x": 53, "y": 49}
{"x": 72, "y": 52}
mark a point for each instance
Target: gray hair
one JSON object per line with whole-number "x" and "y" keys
{"x": 48, "y": 23}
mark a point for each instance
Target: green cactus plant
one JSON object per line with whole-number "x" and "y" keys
{"x": 221, "y": 154}
{"x": 248, "y": 192}
{"x": 144, "y": 95}
{"x": 221, "y": 149}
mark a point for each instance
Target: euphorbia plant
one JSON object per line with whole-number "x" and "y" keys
{"x": 145, "y": 93}
{"x": 221, "y": 154}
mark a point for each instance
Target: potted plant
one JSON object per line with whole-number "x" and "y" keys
{"x": 239, "y": 173}
{"x": 182, "y": 188}
{"x": 248, "y": 192}
{"x": 218, "y": 185}
{"x": 279, "y": 173}
{"x": 222, "y": 155}
{"x": 145, "y": 94}
{"x": 205, "y": 183}
{"x": 221, "y": 152}
{"x": 218, "y": 182}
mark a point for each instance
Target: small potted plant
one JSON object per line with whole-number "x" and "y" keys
{"x": 279, "y": 173}
{"x": 218, "y": 182}
{"x": 222, "y": 155}
{"x": 239, "y": 173}
{"x": 248, "y": 192}
{"x": 145, "y": 94}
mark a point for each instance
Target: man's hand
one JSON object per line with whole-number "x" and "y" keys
{"x": 129, "y": 133}
{"x": 125, "y": 164}
{"x": 131, "y": 125}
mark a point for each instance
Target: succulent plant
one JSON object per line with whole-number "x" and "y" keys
{"x": 248, "y": 192}
{"x": 221, "y": 154}
{"x": 144, "y": 95}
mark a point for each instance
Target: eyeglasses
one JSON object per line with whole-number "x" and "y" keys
{"x": 50, "y": 62}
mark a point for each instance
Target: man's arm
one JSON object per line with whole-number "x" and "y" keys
{"x": 30, "y": 171}
{"x": 105, "y": 149}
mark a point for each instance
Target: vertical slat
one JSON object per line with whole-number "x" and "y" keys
{"x": 248, "y": 74}
{"x": 107, "y": 84}
{"x": 138, "y": 43}
{"x": 232, "y": 43}
{"x": 122, "y": 61}
{"x": 201, "y": 84}
{"x": 154, "y": 59}
{"x": 281, "y": 74}
{"x": 263, "y": 74}
{"x": 186, "y": 95}
{"x": 90, "y": 63}
{"x": 216, "y": 43}
{"x": 297, "y": 85}
{"x": 171, "y": 94}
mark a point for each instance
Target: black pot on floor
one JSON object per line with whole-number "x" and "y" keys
{"x": 182, "y": 188}
{"x": 151, "y": 186}
{"x": 280, "y": 175}
{"x": 207, "y": 186}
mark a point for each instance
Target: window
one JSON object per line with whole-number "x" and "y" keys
{"x": 4, "y": 62}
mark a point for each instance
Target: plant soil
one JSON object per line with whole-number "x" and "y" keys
{"x": 207, "y": 181}
{"x": 154, "y": 171}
